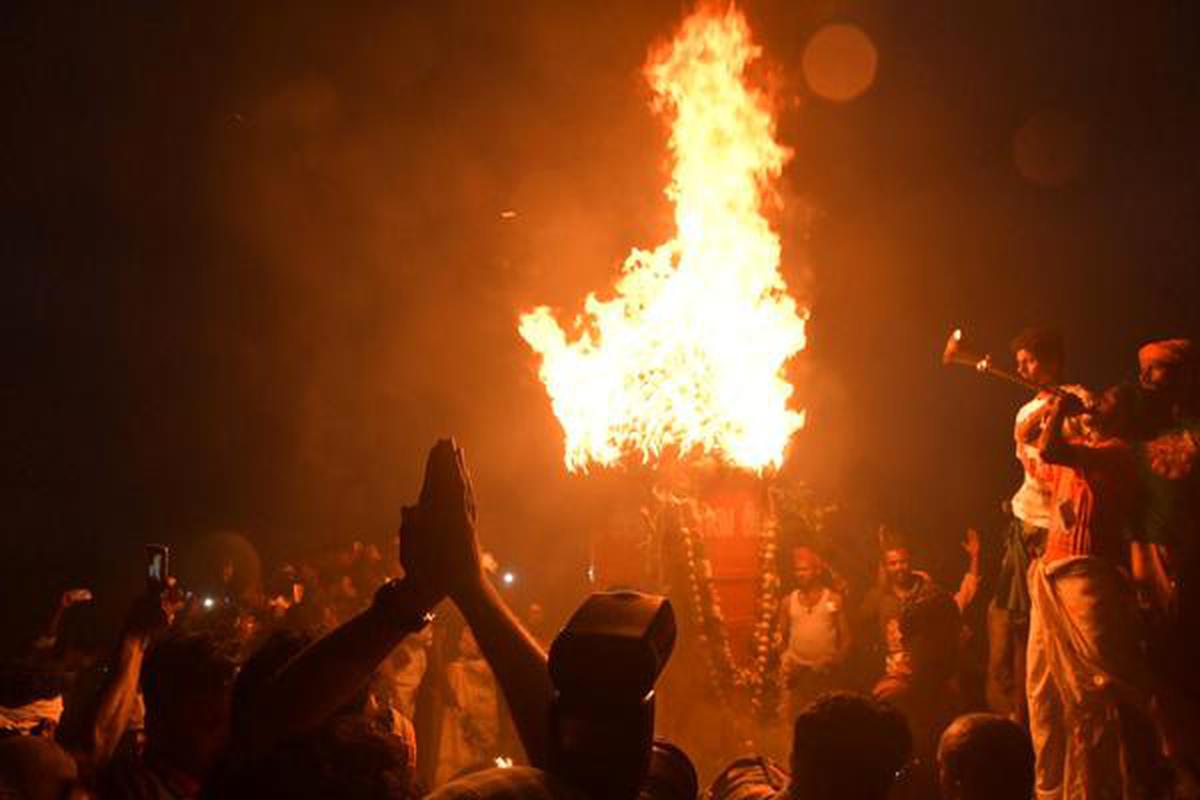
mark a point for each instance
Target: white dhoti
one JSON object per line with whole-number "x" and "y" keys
{"x": 1088, "y": 685}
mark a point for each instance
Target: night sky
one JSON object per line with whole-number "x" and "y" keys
{"x": 254, "y": 258}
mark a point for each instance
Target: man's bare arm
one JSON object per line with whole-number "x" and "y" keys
{"x": 327, "y": 674}
{"x": 969, "y": 585}
{"x": 93, "y": 733}
{"x": 516, "y": 659}
{"x": 438, "y": 543}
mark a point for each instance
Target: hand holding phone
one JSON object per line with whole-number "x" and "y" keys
{"x": 154, "y": 610}
{"x": 157, "y": 566}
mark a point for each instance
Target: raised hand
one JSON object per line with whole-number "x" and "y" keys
{"x": 74, "y": 596}
{"x": 154, "y": 611}
{"x": 438, "y": 547}
{"x": 971, "y": 543}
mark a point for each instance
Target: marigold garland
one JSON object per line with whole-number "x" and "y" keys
{"x": 704, "y": 611}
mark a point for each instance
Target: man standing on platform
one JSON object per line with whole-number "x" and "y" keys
{"x": 1166, "y": 547}
{"x": 1039, "y": 356}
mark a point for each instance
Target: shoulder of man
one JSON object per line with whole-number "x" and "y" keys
{"x": 1030, "y": 407}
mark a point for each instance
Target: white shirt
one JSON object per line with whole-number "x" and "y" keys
{"x": 1031, "y": 504}
{"x": 812, "y": 632}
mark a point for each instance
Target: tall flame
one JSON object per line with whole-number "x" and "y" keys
{"x": 689, "y": 353}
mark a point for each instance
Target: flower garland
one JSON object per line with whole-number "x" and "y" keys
{"x": 764, "y": 688}
{"x": 1173, "y": 455}
{"x": 704, "y": 609}
{"x": 707, "y": 617}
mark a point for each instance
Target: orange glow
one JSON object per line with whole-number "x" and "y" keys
{"x": 689, "y": 352}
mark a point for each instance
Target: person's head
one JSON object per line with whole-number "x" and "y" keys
{"x": 346, "y": 590}
{"x": 1164, "y": 365}
{"x": 847, "y": 747}
{"x": 347, "y": 756}
{"x": 82, "y": 639}
{"x": 930, "y": 628}
{"x": 807, "y": 567}
{"x": 1040, "y": 355}
{"x": 1112, "y": 415}
{"x": 37, "y": 768}
{"x": 897, "y": 565}
{"x": 985, "y": 757}
{"x": 187, "y": 683}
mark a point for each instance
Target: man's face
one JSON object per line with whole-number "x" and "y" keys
{"x": 897, "y": 566}
{"x": 804, "y": 564}
{"x": 1033, "y": 369}
{"x": 1155, "y": 377}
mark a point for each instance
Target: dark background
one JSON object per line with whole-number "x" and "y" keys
{"x": 254, "y": 263}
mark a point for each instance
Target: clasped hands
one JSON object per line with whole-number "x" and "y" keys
{"x": 438, "y": 546}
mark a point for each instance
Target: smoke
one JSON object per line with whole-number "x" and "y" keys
{"x": 394, "y": 187}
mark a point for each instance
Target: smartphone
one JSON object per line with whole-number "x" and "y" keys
{"x": 157, "y": 566}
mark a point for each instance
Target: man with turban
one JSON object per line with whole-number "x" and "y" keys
{"x": 1166, "y": 555}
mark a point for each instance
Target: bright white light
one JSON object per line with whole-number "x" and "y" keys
{"x": 509, "y": 578}
{"x": 209, "y": 602}
{"x": 503, "y": 762}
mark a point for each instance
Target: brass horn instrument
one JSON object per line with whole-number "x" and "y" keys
{"x": 959, "y": 352}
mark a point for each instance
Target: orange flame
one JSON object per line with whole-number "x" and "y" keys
{"x": 689, "y": 353}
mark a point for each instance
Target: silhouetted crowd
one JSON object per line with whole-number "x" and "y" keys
{"x": 332, "y": 678}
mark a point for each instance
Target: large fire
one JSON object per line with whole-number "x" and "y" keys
{"x": 689, "y": 353}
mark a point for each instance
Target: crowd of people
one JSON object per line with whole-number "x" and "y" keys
{"x": 317, "y": 682}
{"x": 1090, "y": 625}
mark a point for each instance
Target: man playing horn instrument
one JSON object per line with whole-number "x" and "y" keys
{"x": 1039, "y": 356}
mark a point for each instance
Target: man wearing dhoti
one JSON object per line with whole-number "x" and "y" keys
{"x": 1088, "y": 681}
